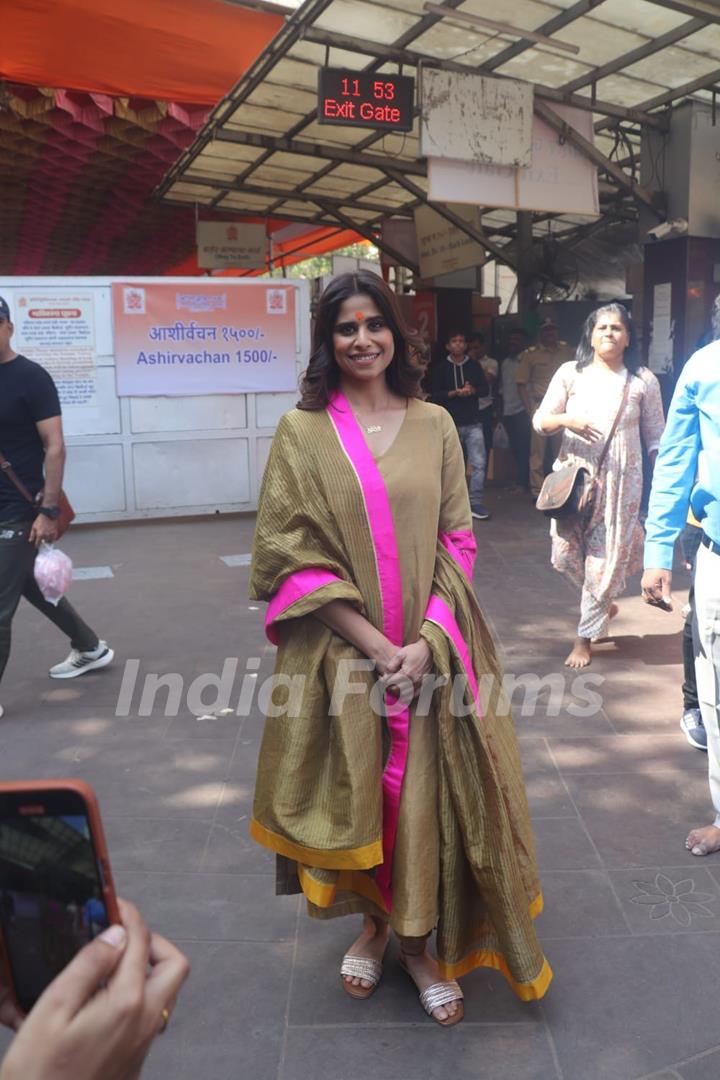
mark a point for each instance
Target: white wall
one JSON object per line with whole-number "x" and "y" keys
{"x": 151, "y": 457}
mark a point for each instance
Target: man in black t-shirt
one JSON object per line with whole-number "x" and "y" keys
{"x": 31, "y": 439}
{"x": 457, "y": 384}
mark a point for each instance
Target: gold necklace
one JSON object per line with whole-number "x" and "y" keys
{"x": 370, "y": 429}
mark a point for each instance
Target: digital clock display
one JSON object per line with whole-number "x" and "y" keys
{"x": 365, "y": 99}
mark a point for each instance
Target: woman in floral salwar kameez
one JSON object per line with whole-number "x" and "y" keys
{"x": 383, "y": 789}
{"x": 598, "y": 551}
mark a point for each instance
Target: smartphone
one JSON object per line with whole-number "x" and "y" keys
{"x": 56, "y": 889}
{"x": 662, "y": 604}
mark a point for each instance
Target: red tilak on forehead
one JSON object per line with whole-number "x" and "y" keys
{"x": 359, "y": 316}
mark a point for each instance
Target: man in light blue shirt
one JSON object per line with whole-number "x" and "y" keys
{"x": 687, "y": 470}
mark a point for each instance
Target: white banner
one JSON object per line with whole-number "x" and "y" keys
{"x": 211, "y": 336}
{"x": 231, "y": 245}
{"x": 560, "y": 180}
{"x": 56, "y": 328}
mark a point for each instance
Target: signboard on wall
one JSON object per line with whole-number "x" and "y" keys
{"x": 56, "y": 328}
{"x": 559, "y": 180}
{"x": 365, "y": 99}
{"x": 442, "y": 246}
{"x": 471, "y": 117}
{"x": 187, "y": 339}
{"x": 660, "y": 351}
{"x": 231, "y": 245}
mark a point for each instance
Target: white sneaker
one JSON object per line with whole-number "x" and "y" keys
{"x": 691, "y": 723}
{"x": 77, "y": 663}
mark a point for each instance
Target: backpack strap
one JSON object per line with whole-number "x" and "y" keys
{"x": 13, "y": 477}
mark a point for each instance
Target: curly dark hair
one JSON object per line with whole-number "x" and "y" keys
{"x": 584, "y": 352}
{"x": 322, "y": 374}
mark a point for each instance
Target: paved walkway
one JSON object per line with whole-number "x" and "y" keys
{"x": 613, "y": 793}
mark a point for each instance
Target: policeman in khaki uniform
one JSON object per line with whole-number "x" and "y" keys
{"x": 537, "y": 366}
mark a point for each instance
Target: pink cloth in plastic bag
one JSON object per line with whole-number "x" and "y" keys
{"x": 53, "y": 573}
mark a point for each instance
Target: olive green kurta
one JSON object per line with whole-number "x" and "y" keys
{"x": 464, "y": 858}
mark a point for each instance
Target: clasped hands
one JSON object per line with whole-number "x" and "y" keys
{"x": 402, "y": 670}
{"x": 464, "y": 391}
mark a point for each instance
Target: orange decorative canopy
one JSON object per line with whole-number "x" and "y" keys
{"x": 100, "y": 98}
{"x": 175, "y": 50}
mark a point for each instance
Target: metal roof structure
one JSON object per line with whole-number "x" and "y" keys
{"x": 262, "y": 150}
{"x": 76, "y": 170}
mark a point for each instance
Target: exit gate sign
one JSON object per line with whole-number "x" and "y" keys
{"x": 365, "y": 99}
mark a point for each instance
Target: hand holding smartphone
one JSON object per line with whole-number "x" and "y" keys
{"x": 661, "y": 603}
{"x": 656, "y": 588}
{"x": 99, "y": 1017}
{"x": 56, "y": 888}
{"x": 72, "y": 955}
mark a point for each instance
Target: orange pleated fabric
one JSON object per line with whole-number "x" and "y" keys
{"x": 174, "y": 50}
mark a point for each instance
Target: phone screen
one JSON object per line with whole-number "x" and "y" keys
{"x": 51, "y": 887}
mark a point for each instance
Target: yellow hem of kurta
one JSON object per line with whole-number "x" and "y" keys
{"x": 322, "y": 894}
{"x": 537, "y": 906}
{"x": 362, "y": 858}
{"x": 527, "y": 991}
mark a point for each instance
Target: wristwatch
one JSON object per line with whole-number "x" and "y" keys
{"x": 52, "y": 512}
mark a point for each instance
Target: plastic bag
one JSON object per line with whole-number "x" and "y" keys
{"x": 53, "y": 573}
{"x": 500, "y": 437}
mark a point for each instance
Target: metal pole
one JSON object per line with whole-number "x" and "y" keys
{"x": 525, "y": 291}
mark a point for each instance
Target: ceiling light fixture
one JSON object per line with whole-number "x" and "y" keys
{"x": 499, "y": 27}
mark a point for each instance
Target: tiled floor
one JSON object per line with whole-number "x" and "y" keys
{"x": 632, "y": 922}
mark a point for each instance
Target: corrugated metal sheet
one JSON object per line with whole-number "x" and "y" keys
{"x": 634, "y": 57}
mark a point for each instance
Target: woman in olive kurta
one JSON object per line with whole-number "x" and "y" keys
{"x": 388, "y": 788}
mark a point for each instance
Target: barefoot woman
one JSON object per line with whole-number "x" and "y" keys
{"x": 598, "y": 552}
{"x": 364, "y": 549}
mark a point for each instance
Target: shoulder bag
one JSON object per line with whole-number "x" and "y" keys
{"x": 571, "y": 489}
{"x": 66, "y": 514}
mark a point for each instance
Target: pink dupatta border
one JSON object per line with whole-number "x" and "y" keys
{"x": 462, "y": 545}
{"x": 294, "y": 588}
{"x": 439, "y": 613}
{"x": 382, "y": 530}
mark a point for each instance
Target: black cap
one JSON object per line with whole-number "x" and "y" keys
{"x": 4, "y": 310}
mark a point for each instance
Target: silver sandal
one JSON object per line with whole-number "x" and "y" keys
{"x": 439, "y": 994}
{"x": 360, "y": 967}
